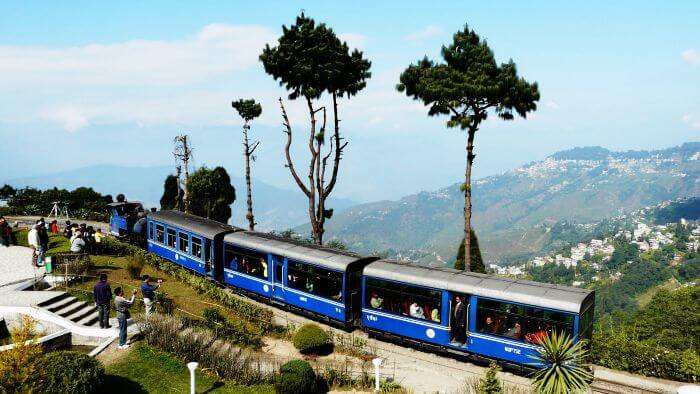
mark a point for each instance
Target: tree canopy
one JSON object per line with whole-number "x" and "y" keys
{"x": 477, "y": 263}
{"x": 211, "y": 193}
{"x": 247, "y": 109}
{"x": 310, "y": 59}
{"x": 172, "y": 194}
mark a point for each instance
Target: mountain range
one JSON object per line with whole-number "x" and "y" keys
{"x": 275, "y": 208}
{"x": 514, "y": 212}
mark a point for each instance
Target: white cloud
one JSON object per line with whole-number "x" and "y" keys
{"x": 691, "y": 56}
{"x": 354, "y": 40}
{"x": 69, "y": 117}
{"x": 692, "y": 121}
{"x": 428, "y": 32}
{"x": 552, "y": 104}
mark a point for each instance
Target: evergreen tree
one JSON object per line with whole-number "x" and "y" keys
{"x": 211, "y": 194}
{"x": 490, "y": 384}
{"x": 248, "y": 110}
{"x": 310, "y": 60}
{"x": 476, "y": 264}
{"x": 172, "y": 194}
{"x": 466, "y": 87}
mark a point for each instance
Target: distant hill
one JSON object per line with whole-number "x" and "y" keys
{"x": 275, "y": 208}
{"x": 514, "y": 213}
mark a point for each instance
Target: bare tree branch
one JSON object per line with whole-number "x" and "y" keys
{"x": 290, "y": 164}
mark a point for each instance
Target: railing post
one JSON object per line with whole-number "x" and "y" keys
{"x": 192, "y": 366}
{"x": 377, "y": 362}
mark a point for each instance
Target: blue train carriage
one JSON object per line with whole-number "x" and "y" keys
{"x": 123, "y": 216}
{"x": 313, "y": 280}
{"x": 187, "y": 240}
{"x": 469, "y": 313}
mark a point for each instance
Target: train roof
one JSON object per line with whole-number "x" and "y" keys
{"x": 329, "y": 258}
{"x": 569, "y": 299}
{"x": 196, "y": 224}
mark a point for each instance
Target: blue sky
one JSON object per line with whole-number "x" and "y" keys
{"x": 88, "y": 82}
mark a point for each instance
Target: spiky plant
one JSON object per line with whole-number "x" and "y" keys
{"x": 561, "y": 367}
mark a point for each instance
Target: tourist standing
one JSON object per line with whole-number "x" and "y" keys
{"x": 77, "y": 244}
{"x": 149, "y": 293}
{"x": 122, "y": 306}
{"x": 35, "y": 243}
{"x": 5, "y": 232}
{"x": 43, "y": 234}
{"x": 102, "y": 294}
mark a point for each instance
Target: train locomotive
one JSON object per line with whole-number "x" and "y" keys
{"x": 441, "y": 309}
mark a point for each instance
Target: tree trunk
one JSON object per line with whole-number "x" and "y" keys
{"x": 312, "y": 168}
{"x": 468, "y": 200}
{"x": 248, "y": 152}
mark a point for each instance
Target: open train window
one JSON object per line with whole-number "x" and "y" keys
{"x": 197, "y": 247}
{"x": 403, "y": 299}
{"x": 172, "y": 238}
{"x": 246, "y": 261}
{"x": 520, "y": 322}
{"x": 184, "y": 242}
{"x": 160, "y": 233}
{"x": 315, "y": 280}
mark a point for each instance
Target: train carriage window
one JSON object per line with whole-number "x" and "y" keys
{"x": 197, "y": 247}
{"x": 150, "y": 230}
{"x": 172, "y": 238}
{"x": 160, "y": 233}
{"x": 184, "y": 242}
{"x": 519, "y": 322}
{"x": 246, "y": 261}
{"x": 402, "y": 299}
{"x": 315, "y": 280}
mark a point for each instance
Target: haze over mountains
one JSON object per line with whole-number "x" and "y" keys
{"x": 514, "y": 212}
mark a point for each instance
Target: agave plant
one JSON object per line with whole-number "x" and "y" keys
{"x": 560, "y": 364}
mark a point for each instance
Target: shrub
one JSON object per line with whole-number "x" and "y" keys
{"x": 296, "y": 376}
{"x": 134, "y": 266}
{"x": 490, "y": 384}
{"x": 70, "y": 372}
{"x": 176, "y": 336}
{"x": 18, "y": 365}
{"x": 311, "y": 339}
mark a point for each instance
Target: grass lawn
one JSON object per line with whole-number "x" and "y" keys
{"x": 146, "y": 370}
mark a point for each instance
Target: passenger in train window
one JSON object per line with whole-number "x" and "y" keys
{"x": 416, "y": 311}
{"x": 435, "y": 315}
{"x": 515, "y": 332}
{"x": 489, "y": 325}
{"x": 375, "y": 301}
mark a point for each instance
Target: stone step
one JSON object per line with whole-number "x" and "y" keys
{"x": 61, "y": 297}
{"x": 78, "y": 315}
{"x": 71, "y": 308}
{"x": 89, "y": 320}
{"x": 62, "y": 303}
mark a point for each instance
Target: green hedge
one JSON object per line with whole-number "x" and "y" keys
{"x": 70, "y": 372}
{"x": 296, "y": 376}
{"x": 258, "y": 317}
{"x": 311, "y": 338}
{"x": 618, "y": 350}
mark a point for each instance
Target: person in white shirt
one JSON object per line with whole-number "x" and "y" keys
{"x": 35, "y": 243}
{"x": 77, "y": 244}
{"x": 416, "y": 311}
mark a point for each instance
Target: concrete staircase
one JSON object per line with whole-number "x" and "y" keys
{"x": 68, "y": 307}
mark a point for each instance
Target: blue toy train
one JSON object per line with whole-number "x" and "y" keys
{"x": 440, "y": 309}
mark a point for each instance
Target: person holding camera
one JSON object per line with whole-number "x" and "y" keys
{"x": 122, "y": 306}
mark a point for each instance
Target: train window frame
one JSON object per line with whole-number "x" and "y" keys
{"x": 298, "y": 270}
{"x": 197, "y": 247}
{"x": 160, "y": 234}
{"x": 406, "y": 291}
{"x": 524, "y": 316}
{"x": 183, "y": 237}
{"x": 150, "y": 230}
{"x": 171, "y": 237}
{"x": 241, "y": 254}
{"x": 586, "y": 324}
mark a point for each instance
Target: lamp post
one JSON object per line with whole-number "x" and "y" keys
{"x": 192, "y": 366}
{"x": 376, "y": 362}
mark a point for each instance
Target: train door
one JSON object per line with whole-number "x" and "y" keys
{"x": 354, "y": 294}
{"x": 209, "y": 263}
{"x": 459, "y": 318}
{"x": 277, "y": 263}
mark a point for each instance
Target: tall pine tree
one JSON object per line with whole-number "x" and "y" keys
{"x": 477, "y": 264}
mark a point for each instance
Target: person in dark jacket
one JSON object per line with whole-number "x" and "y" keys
{"x": 149, "y": 293}
{"x": 103, "y": 298}
{"x": 459, "y": 324}
{"x": 43, "y": 234}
